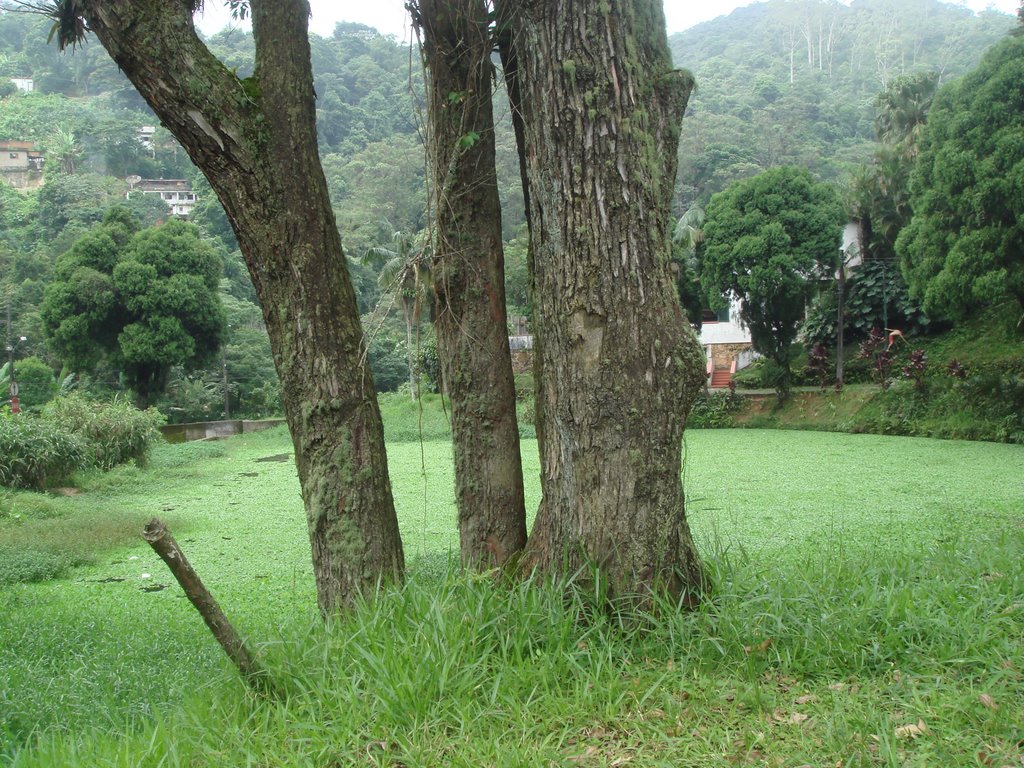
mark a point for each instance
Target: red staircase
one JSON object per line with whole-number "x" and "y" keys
{"x": 720, "y": 378}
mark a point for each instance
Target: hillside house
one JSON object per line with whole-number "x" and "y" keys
{"x": 21, "y": 164}
{"x": 145, "y": 136}
{"x": 23, "y": 84}
{"x": 177, "y": 193}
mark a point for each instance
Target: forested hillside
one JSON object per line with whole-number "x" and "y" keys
{"x": 794, "y": 81}
{"x": 782, "y": 82}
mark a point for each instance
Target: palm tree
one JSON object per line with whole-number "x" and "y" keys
{"x": 405, "y": 276}
{"x": 689, "y": 233}
{"x": 690, "y": 230}
{"x": 64, "y": 147}
{"x": 902, "y": 109}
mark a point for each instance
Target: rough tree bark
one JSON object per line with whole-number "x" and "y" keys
{"x": 468, "y": 265}
{"x": 617, "y": 365}
{"x": 255, "y": 140}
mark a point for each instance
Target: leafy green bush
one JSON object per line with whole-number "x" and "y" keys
{"x": 986, "y": 405}
{"x": 876, "y": 296}
{"x": 38, "y": 453}
{"x": 190, "y": 398}
{"x": 714, "y": 411}
{"x": 115, "y": 432}
{"x": 751, "y": 377}
{"x": 28, "y": 565}
{"x": 36, "y": 382}
{"x": 388, "y": 364}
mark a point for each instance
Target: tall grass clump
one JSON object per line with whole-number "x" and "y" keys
{"x": 37, "y": 453}
{"x": 115, "y": 431}
{"x": 810, "y": 662}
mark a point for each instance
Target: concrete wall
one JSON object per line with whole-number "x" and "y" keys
{"x": 214, "y": 430}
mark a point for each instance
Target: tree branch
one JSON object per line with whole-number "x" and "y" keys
{"x": 163, "y": 543}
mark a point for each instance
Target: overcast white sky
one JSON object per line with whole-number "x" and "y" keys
{"x": 389, "y": 16}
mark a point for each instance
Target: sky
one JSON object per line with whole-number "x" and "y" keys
{"x": 390, "y": 18}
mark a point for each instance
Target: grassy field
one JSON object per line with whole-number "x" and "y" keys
{"x": 868, "y": 611}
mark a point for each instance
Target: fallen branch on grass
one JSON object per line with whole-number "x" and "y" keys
{"x": 163, "y": 543}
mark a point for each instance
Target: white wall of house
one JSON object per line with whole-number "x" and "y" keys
{"x": 24, "y": 84}
{"x": 180, "y": 200}
{"x": 852, "y": 251}
{"x": 731, "y": 332}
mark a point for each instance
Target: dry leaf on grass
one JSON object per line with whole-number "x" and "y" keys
{"x": 795, "y": 718}
{"x": 587, "y": 753}
{"x": 988, "y": 701}
{"x": 761, "y": 647}
{"x": 911, "y": 730}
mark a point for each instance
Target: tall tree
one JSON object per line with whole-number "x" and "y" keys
{"x": 469, "y": 281}
{"x": 405, "y": 276}
{"x": 616, "y": 364}
{"x": 763, "y": 240}
{"x": 145, "y": 301}
{"x": 902, "y": 109}
{"x": 964, "y": 247}
{"x": 255, "y": 140}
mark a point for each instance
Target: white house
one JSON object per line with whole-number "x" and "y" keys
{"x": 145, "y": 135}
{"x": 726, "y": 343}
{"x": 23, "y": 84}
{"x": 177, "y": 193}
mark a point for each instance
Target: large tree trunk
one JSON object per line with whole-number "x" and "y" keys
{"x": 472, "y": 328}
{"x": 255, "y": 140}
{"x": 618, "y": 366}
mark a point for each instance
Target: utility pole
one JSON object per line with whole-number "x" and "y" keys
{"x": 841, "y": 320}
{"x": 224, "y": 379}
{"x": 13, "y": 389}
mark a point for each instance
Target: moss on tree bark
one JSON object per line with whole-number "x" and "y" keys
{"x": 255, "y": 140}
{"x": 617, "y": 365}
{"x": 472, "y": 328}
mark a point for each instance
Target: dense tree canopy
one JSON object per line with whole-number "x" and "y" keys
{"x": 144, "y": 301}
{"x": 764, "y": 238}
{"x": 964, "y": 247}
{"x": 793, "y": 81}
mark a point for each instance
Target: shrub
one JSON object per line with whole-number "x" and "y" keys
{"x": 27, "y": 565}
{"x": 714, "y": 411}
{"x": 819, "y": 365}
{"x": 877, "y": 352}
{"x": 115, "y": 432}
{"x": 36, "y": 382}
{"x": 751, "y": 377}
{"x": 916, "y": 368}
{"x": 191, "y": 398}
{"x": 36, "y": 453}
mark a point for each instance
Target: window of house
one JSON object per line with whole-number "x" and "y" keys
{"x": 715, "y": 316}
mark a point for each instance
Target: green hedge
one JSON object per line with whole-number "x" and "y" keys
{"x": 74, "y": 432}
{"x": 116, "y": 432}
{"x": 37, "y": 453}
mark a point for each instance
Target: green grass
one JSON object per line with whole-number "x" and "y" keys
{"x": 863, "y": 584}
